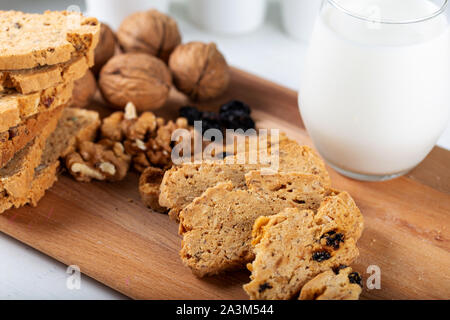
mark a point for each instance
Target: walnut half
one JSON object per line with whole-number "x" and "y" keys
{"x": 104, "y": 161}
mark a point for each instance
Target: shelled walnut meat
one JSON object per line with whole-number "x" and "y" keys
{"x": 199, "y": 70}
{"x": 83, "y": 91}
{"x": 146, "y": 138}
{"x": 150, "y": 32}
{"x": 105, "y": 49}
{"x": 138, "y": 78}
{"x": 104, "y": 161}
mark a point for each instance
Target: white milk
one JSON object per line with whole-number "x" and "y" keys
{"x": 376, "y": 98}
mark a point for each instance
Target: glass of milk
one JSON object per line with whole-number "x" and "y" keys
{"x": 375, "y": 94}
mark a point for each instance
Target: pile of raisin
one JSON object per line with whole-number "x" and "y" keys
{"x": 236, "y": 115}
{"x": 232, "y": 115}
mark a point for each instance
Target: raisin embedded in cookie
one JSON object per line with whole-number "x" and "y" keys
{"x": 294, "y": 246}
{"x": 339, "y": 284}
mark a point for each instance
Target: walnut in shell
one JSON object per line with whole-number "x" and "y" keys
{"x": 105, "y": 49}
{"x": 199, "y": 70}
{"x": 135, "y": 77}
{"x": 83, "y": 91}
{"x": 150, "y": 32}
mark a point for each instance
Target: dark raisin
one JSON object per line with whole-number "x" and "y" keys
{"x": 235, "y": 107}
{"x": 13, "y": 132}
{"x": 48, "y": 101}
{"x": 264, "y": 287}
{"x": 192, "y": 114}
{"x": 333, "y": 239}
{"x": 320, "y": 256}
{"x": 338, "y": 269}
{"x": 355, "y": 277}
{"x": 18, "y": 25}
{"x": 235, "y": 121}
{"x": 210, "y": 120}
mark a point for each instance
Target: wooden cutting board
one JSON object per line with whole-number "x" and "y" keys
{"x": 105, "y": 230}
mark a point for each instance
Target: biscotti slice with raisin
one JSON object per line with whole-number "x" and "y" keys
{"x": 41, "y": 78}
{"x": 217, "y": 226}
{"x": 34, "y": 40}
{"x": 17, "y": 175}
{"x": 16, "y": 138}
{"x": 74, "y": 126}
{"x": 182, "y": 184}
{"x": 295, "y": 245}
{"x": 16, "y": 108}
{"x": 338, "y": 284}
{"x": 44, "y": 179}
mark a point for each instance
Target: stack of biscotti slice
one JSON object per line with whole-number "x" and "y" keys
{"x": 74, "y": 126}
{"x": 41, "y": 55}
{"x": 17, "y": 175}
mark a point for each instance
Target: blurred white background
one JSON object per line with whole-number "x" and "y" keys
{"x": 266, "y": 51}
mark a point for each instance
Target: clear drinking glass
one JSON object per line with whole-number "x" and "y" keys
{"x": 375, "y": 95}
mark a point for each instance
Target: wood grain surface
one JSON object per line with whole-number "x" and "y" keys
{"x": 105, "y": 230}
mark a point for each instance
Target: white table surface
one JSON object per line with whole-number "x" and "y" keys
{"x": 26, "y": 273}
